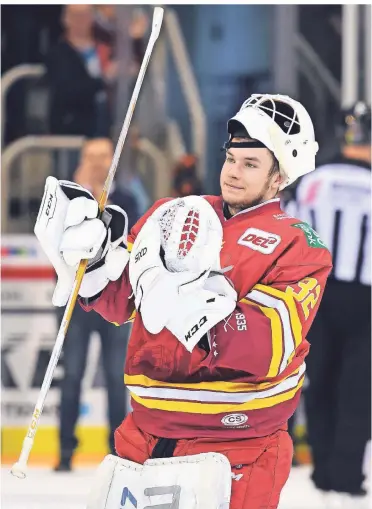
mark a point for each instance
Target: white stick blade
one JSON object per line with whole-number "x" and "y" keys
{"x": 157, "y": 21}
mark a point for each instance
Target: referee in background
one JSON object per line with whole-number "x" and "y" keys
{"x": 336, "y": 201}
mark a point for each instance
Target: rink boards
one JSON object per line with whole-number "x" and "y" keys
{"x": 28, "y": 332}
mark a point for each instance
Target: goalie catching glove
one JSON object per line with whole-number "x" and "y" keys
{"x": 187, "y": 234}
{"x": 69, "y": 230}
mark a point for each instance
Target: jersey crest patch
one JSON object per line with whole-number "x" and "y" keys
{"x": 259, "y": 240}
{"x": 312, "y": 237}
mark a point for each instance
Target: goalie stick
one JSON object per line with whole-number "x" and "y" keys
{"x": 19, "y": 468}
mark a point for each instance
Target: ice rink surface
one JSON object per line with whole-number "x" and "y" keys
{"x": 43, "y": 489}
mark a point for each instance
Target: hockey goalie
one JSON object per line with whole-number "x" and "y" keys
{"x": 222, "y": 291}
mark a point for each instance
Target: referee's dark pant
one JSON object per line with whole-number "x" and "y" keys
{"x": 338, "y": 399}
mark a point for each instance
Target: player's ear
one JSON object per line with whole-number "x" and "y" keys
{"x": 276, "y": 179}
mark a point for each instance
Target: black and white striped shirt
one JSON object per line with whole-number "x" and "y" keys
{"x": 335, "y": 200}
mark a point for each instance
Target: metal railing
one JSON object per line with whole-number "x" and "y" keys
{"x": 163, "y": 178}
{"x": 187, "y": 78}
{"x": 15, "y": 74}
{"x": 18, "y": 148}
{"x": 189, "y": 88}
{"x": 325, "y": 76}
{"x": 367, "y": 53}
{"x": 67, "y": 143}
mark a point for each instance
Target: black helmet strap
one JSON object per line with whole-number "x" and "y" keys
{"x": 243, "y": 144}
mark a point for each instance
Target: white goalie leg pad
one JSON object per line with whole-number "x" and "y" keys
{"x": 201, "y": 481}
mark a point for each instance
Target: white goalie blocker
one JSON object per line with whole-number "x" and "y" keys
{"x": 201, "y": 481}
{"x": 49, "y": 229}
{"x": 69, "y": 230}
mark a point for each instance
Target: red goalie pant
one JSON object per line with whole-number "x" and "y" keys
{"x": 260, "y": 466}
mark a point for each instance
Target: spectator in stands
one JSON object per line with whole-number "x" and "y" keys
{"x": 106, "y": 27}
{"x": 138, "y": 27}
{"x": 105, "y": 24}
{"x": 92, "y": 172}
{"x": 185, "y": 178}
{"x": 96, "y": 157}
{"x": 80, "y": 71}
{"x": 25, "y": 31}
{"x": 131, "y": 177}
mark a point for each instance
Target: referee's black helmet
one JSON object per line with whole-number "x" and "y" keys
{"x": 355, "y": 126}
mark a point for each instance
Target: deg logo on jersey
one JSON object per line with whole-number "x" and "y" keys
{"x": 258, "y": 240}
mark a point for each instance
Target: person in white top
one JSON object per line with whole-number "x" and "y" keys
{"x": 336, "y": 200}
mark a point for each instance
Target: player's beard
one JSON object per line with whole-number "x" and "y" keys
{"x": 236, "y": 206}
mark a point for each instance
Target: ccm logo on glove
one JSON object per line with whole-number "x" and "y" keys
{"x": 140, "y": 254}
{"x": 195, "y": 328}
{"x": 49, "y": 204}
{"x": 259, "y": 240}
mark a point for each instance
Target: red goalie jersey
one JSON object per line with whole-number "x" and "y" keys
{"x": 246, "y": 380}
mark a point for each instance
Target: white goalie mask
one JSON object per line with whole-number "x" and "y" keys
{"x": 283, "y": 126}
